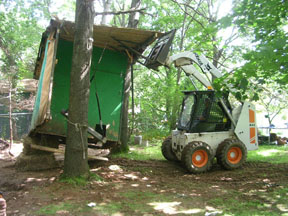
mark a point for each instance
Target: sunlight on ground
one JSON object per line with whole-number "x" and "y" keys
{"x": 118, "y": 214}
{"x": 131, "y": 176}
{"x": 115, "y": 168}
{"x": 171, "y": 208}
{"x": 16, "y": 150}
{"x": 29, "y": 180}
{"x": 268, "y": 152}
{"x": 283, "y": 207}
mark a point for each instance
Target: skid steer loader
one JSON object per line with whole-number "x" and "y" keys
{"x": 208, "y": 127}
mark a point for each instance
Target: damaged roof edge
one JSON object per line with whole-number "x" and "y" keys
{"x": 104, "y": 36}
{"x": 114, "y": 38}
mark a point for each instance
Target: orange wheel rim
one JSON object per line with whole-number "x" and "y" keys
{"x": 200, "y": 158}
{"x": 234, "y": 155}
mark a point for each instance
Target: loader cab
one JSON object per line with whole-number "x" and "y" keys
{"x": 202, "y": 112}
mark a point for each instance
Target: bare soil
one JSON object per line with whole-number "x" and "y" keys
{"x": 154, "y": 187}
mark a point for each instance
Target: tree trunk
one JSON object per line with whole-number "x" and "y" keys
{"x": 133, "y": 22}
{"x": 76, "y": 158}
{"x": 10, "y": 115}
{"x": 269, "y": 132}
{"x": 134, "y": 17}
{"x": 124, "y": 117}
{"x": 106, "y": 6}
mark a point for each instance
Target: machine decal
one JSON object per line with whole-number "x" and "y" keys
{"x": 251, "y": 116}
{"x": 252, "y": 135}
{"x": 252, "y": 126}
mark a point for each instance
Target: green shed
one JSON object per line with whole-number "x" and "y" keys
{"x": 115, "y": 49}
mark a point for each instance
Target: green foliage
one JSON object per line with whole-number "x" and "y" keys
{"x": 158, "y": 94}
{"x": 157, "y": 102}
{"x": 264, "y": 24}
{"x": 20, "y": 36}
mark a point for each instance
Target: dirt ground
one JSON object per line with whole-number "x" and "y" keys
{"x": 130, "y": 187}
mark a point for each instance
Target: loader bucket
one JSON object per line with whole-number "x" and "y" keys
{"x": 159, "y": 52}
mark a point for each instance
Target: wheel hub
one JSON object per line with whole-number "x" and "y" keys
{"x": 234, "y": 155}
{"x": 199, "y": 158}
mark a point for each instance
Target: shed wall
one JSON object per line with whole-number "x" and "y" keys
{"x": 41, "y": 106}
{"x": 109, "y": 68}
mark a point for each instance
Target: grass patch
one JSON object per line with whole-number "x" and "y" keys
{"x": 108, "y": 208}
{"x": 53, "y": 209}
{"x": 265, "y": 153}
{"x": 80, "y": 180}
{"x": 61, "y": 208}
{"x": 75, "y": 181}
{"x": 95, "y": 177}
{"x": 269, "y": 153}
{"x": 151, "y": 202}
{"x": 134, "y": 202}
{"x": 152, "y": 152}
{"x": 234, "y": 206}
{"x": 257, "y": 203}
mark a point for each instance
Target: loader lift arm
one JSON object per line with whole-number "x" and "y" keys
{"x": 185, "y": 61}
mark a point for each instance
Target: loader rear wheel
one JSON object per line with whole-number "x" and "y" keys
{"x": 167, "y": 150}
{"x": 197, "y": 156}
{"x": 231, "y": 154}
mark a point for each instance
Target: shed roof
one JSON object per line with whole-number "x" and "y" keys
{"x": 109, "y": 37}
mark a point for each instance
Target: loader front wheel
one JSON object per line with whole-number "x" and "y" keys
{"x": 232, "y": 155}
{"x": 196, "y": 157}
{"x": 167, "y": 150}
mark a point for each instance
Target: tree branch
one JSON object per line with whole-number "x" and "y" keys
{"x": 132, "y": 10}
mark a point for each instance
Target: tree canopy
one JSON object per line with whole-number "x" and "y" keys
{"x": 248, "y": 45}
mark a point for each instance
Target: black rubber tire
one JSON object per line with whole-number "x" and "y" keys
{"x": 166, "y": 149}
{"x": 188, "y": 152}
{"x": 222, "y": 154}
{"x": 220, "y": 148}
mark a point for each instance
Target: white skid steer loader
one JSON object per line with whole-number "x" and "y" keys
{"x": 207, "y": 126}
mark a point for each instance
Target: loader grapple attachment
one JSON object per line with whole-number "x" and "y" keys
{"x": 159, "y": 52}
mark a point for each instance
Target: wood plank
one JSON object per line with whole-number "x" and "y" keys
{"x": 60, "y": 151}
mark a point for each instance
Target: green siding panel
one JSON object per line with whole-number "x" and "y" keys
{"x": 108, "y": 82}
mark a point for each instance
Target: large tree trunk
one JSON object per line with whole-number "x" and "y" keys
{"x": 76, "y": 158}
{"x": 106, "y": 6}
{"x": 133, "y": 22}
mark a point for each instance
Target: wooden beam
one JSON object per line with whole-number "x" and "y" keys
{"x": 60, "y": 151}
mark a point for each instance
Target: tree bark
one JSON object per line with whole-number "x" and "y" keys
{"x": 10, "y": 115}
{"x": 124, "y": 117}
{"x": 124, "y": 136}
{"x": 76, "y": 157}
{"x": 134, "y": 17}
{"x": 106, "y": 6}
